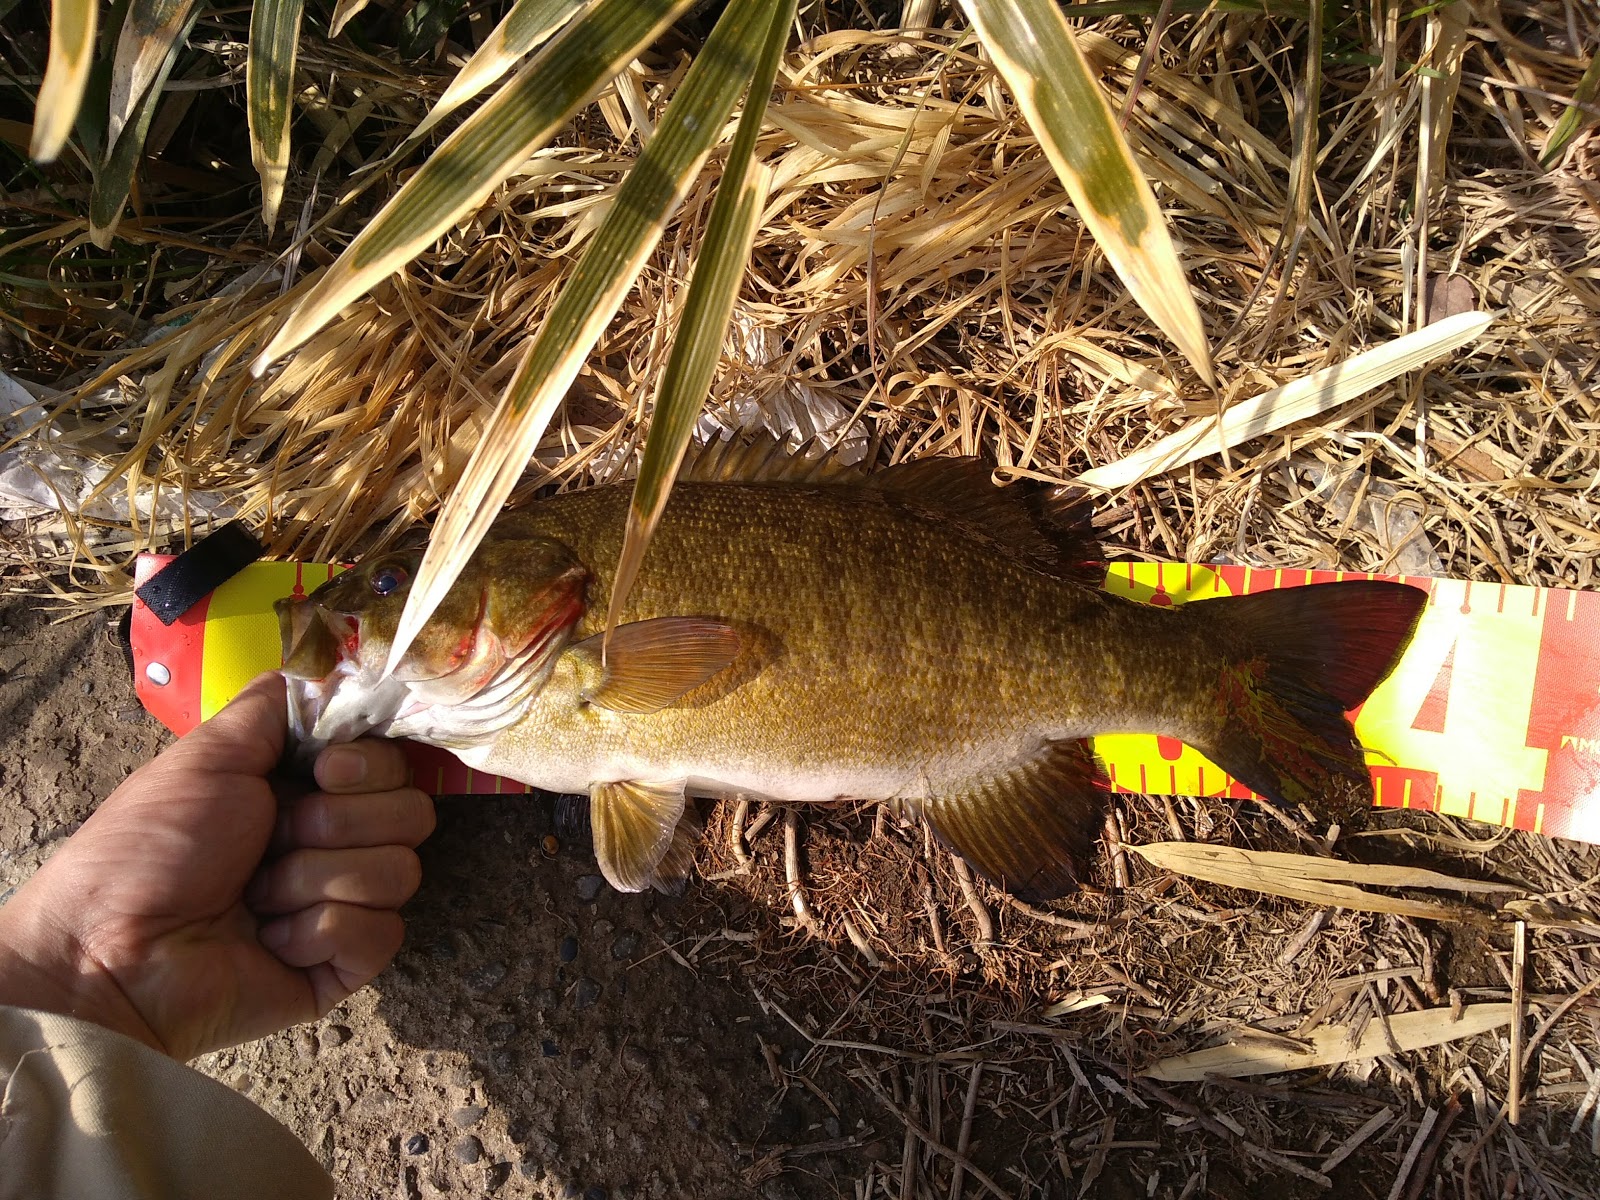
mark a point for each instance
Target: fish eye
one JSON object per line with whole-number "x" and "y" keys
{"x": 390, "y": 579}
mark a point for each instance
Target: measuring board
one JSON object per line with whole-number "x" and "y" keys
{"x": 1493, "y": 713}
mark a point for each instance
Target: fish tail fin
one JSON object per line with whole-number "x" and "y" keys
{"x": 1307, "y": 656}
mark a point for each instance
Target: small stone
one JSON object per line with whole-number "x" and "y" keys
{"x": 531, "y": 1168}
{"x": 589, "y": 887}
{"x": 625, "y": 947}
{"x": 498, "y": 1174}
{"x": 481, "y": 979}
{"x": 466, "y": 1118}
{"x": 635, "y": 1058}
{"x": 570, "y": 1192}
{"x": 335, "y": 1035}
{"x": 305, "y": 1044}
{"x": 87, "y": 689}
{"x": 467, "y": 1150}
{"x": 596, "y": 1193}
{"x": 581, "y": 1057}
{"x": 586, "y": 993}
{"x": 500, "y": 1032}
{"x": 130, "y": 714}
{"x": 695, "y": 1122}
{"x": 549, "y": 1049}
{"x": 568, "y": 949}
{"x": 832, "y": 1128}
{"x": 417, "y": 1143}
{"x": 503, "y": 1062}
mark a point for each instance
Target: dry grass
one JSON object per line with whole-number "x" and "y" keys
{"x": 918, "y": 270}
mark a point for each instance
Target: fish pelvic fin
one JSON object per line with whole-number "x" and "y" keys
{"x": 633, "y": 825}
{"x": 1029, "y": 829}
{"x": 1309, "y": 654}
{"x": 653, "y": 664}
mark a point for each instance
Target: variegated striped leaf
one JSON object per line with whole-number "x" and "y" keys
{"x": 72, "y": 28}
{"x": 1036, "y": 54}
{"x": 730, "y": 232}
{"x": 522, "y": 116}
{"x": 114, "y": 177}
{"x": 528, "y": 24}
{"x": 150, "y": 33}
{"x": 269, "y": 87}
{"x": 644, "y": 202}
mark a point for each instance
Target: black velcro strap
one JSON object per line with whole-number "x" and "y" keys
{"x": 199, "y": 571}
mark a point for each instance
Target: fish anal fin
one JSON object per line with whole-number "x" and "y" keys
{"x": 672, "y": 872}
{"x": 651, "y": 665}
{"x": 1029, "y": 828}
{"x": 633, "y": 825}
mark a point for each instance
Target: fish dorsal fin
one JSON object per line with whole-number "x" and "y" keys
{"x": 1016, "y": 517}
{"x": 653, "y": 664}
{"x": 1028, "y": 828}
{"x": 765, "y": 459}
{"x": 633, "y": 824}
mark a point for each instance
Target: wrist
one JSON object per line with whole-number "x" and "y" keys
{"x": 44, "y": 967}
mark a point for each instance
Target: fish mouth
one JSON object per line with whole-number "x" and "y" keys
{"x": 340, "y": 707}
{"x": 330, "y": 697}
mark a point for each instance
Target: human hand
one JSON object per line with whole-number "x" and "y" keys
{"x": 203, "y": 905}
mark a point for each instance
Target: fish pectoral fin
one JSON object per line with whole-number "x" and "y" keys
{"x": 633, "y": 826}
{"x": 672, "y": 872}
{"x": 1030, "y": 828}
{"x": 653, "y": 664}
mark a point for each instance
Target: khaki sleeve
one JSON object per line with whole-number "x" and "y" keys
{"x": 87, "y": 1114}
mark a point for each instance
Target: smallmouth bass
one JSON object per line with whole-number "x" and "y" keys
{"x": 799, "y": 632}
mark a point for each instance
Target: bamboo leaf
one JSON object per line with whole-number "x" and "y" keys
{"x": 1330, "y": 1044}
{"x": 528, "y": 24}
{"x": 1315, "y": 393}
{"x": 72, "y": 29}
{"x": 522, "y": 116}
{"x": 114, "y": 178}
{"x": 151, "y": 32}
{"x": 1320, "y": 881}
{"x": 1578, "y": 116}
{"x": 1036, "y": 54}
{"x": 269, "y": 84}
{"x": 730, "y": 232}
{"x": 633, "y": 225}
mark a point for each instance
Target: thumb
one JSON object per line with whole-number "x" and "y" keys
{"x": 247, "y": 736}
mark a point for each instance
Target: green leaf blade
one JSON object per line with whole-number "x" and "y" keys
{"x": 1035, "y": 52}
{"x": 724, "y": 254}
{"x": 269, "y": 84}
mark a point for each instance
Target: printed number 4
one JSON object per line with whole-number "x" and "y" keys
{"x": 1459, "y": 704}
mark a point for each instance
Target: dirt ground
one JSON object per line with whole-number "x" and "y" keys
{"x": 535, "y": 1037}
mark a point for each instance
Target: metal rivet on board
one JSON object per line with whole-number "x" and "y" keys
{"x": 158, "y": 674}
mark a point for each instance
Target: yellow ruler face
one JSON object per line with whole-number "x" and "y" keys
{"x": 1493, "y": 712}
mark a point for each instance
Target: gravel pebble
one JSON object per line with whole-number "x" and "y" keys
{"x": 335, "y": 1035}
{"x": 625, "y": 947}
{"x": 467, "y": 1150}
{"x": 568, "y": 949}
{"x": 581, "y": 1057}
{"x": 549, "y": 1049}
{"x": 635, "y": 1058}
{"x": 466, "y": 1118}
{"x": 831, "y": 1127}
{"x": 417, "y": 1143}
{"x": 481, "y": 979}
{"x": 586, "y": 993}
{"x": 503, "y": 1061}
{"x": 531, "y": 1168}
{"x": 589, "y": 887}
{"x": 596, "y": 1193}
